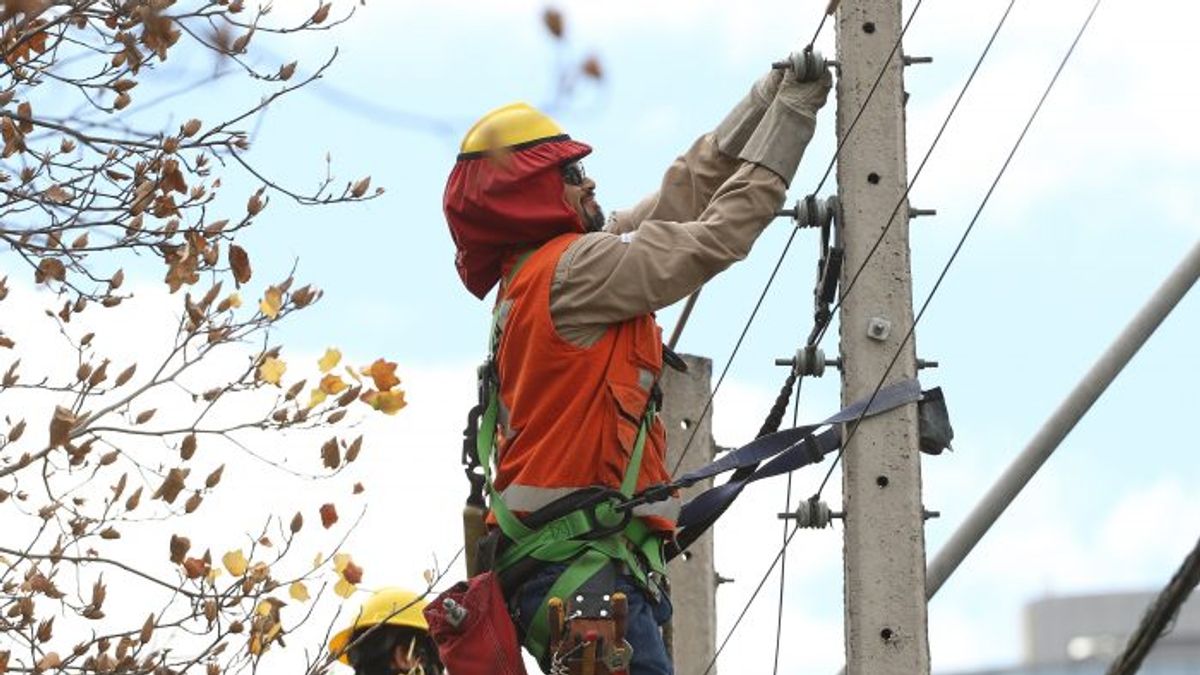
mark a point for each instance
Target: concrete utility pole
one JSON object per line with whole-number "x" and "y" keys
{"x": 884, "y": 535}
{"x": 693, "y": 630}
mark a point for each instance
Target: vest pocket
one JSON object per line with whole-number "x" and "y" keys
{"x": 629, "y": 403}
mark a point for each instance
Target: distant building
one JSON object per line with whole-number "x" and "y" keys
{"x": 1081, "y": 635}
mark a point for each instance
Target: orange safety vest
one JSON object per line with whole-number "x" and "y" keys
{"x": 569, "y": 414}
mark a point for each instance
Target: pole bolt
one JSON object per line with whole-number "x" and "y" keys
{"x": 923, "y": 364}
{"x": 912, "y": 60}
{"x": 879, "y": 328}
{"x": 917, "y": 213}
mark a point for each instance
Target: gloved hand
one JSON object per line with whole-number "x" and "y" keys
{"x": 733, "y": 131}
{"x": 785, "y": 130}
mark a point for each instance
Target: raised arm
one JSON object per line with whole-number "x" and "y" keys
{"x": 608, "y": 277}
{"x": 693, "y": 178}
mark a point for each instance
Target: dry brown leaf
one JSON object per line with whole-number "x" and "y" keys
{"x": 188, "y": 447}
{"x": 179, "y": 548}
{"x": 329, "y": 515}
{"x": 330, "y": 454}
{"x": 239, "y": 264}
{"x": 360, "y": 187}
{"x": 172, "y": 485}
{"x": 61, "y": 423}
{"x": 352, "y": 573}
{"x": 49, "y": 269}
{"x": 124, "y": 376}
{"x": 553, "y": 20}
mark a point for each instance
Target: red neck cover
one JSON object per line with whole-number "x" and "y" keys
{"x": 500, "y": 203}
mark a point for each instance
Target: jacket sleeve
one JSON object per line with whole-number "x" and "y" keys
{"x": 608, "y": 277}
{"x": 687, "y": 187}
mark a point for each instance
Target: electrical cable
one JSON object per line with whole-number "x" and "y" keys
{"x": 757, "y": 589}
{"x": 1159, "y": 616}
{"x": 783, "y": 255}
{"x": 925, "y": 304}
{"x": 920, "y": 167}
{"x": 787, "y": 505}
{"x": 870, "y": 94}
{"x": 724, "y": 371}
{"x": 966, "y": 233}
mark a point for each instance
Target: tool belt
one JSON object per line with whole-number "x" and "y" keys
{"x": 596, "y": 540}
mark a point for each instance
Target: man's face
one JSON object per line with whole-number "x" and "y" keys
{"x": 580, "y": 193}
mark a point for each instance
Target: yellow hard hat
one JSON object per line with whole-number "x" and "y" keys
{"x": 506, "y": 126}
{"x": 391, "y": 606}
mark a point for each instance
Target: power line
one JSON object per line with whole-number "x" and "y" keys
{"x": 967, "y": 232}
{"x": 783, "y": 255}
{"x": 783, "y": 562}
{"x": 746, "y": 608}
{"x": 921, "y": 167}
{"x": 1162, "y": 613}
{"x": 941, "y": 277}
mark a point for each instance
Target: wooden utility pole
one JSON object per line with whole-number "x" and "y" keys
{"x": 884, "y": 534}
{"x": 693, "y": 630}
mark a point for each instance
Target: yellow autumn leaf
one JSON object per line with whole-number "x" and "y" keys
{"x": 234, "y": 300}
{"x": 330, "y": 360}
{"x": 298, "y": 591}
{"x": 316, "y": 397}
{"x": 235, "y": 562}
{"x": 387, "y": 402}
{"x": 344, "y": 588}
{"x": 271, "y": 303}
{"x": 271, "y": 369}
{"x": 213, "y": 573}
{"x": 340, "y": 560}
{"x": 332, "y": 384}
{"x": 318, "y": 560}
{"x": 263, "y": 608}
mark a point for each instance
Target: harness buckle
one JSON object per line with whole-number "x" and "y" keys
{"x": 606, "y": 515}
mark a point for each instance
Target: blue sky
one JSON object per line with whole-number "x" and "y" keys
{"x": 1098, "y": 206}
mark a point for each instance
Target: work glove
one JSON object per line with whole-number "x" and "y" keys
{"x": 786, "y": 128}
{"x": 733, "y": 131}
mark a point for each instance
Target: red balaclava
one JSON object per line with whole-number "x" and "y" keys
{"x": 507, "y": 200}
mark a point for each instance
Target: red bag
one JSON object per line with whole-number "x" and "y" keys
{"x": 473, "y": 631}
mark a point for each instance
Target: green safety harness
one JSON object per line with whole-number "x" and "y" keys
{"x": 587, "y": 538}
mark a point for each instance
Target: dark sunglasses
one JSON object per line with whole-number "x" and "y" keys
{"x": 573, "y": 173}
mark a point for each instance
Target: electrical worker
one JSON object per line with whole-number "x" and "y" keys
{"x": 400, "y": 646}
{"x": 579, "y": 353}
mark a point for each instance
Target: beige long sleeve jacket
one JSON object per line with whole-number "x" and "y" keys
{"x": 705, "y": 216}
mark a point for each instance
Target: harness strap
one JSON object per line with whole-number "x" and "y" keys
{"x": 571, "y": 537}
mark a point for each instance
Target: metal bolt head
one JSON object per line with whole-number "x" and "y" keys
{"x": 879, "y": 328}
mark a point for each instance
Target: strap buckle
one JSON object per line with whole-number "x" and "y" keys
{"x": 605, "y": 514}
